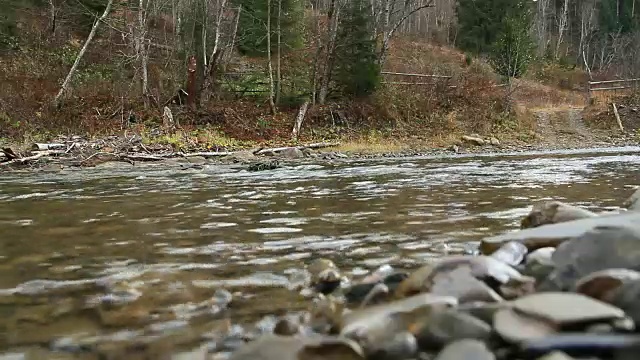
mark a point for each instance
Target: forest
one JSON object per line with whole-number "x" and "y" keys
{"x": 230, "y": 71}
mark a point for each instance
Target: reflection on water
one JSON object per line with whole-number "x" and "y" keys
{"x": 190, "y": 233}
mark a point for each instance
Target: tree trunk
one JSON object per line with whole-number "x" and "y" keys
{"x": 279, "y": 55}
{"x": 142, "y": 50}
{"x": 199, "y": 36}
{"x": 562, "y": 26}
{"x": 52, "y": 15}
{"x": 69, "y": 77}
{"x": 233, "y": 37}
{"x": 272, "y": 105}
{"x": 330, "y": 52}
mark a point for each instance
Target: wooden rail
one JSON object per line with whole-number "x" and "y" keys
{"x": 607, "y": 90}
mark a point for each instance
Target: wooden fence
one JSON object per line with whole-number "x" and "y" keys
{"x": 416, "y": 79}
{"x": 605, "y": 91}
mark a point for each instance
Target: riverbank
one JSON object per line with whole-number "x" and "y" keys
{"x": 166, "y": 149}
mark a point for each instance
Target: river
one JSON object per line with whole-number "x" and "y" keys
{"x": 179, "y": 235}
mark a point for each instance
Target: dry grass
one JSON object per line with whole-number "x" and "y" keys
{"x": 365, "y": 146}
{"x": 534, "y": 95}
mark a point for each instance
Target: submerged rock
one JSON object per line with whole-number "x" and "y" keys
{"x": 325, "y": 275}
{"x": 553, "y": 212}
{"x": 554, "y": 234}
{"x": 264, "y": 165}
{"x": 374, "y": 288}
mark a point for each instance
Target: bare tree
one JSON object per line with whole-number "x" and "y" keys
{"x": 329, "y": 50}
{"x": 395, "y": 14}
{"x": 74, "y": 67}
{"x": 279, "y": 54}
{"x": 541, "y": 25}
{"x": 272, "y": 105}
{"x": 562, "y": 26}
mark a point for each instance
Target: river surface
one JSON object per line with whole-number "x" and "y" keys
{"x": 69, "y": 239}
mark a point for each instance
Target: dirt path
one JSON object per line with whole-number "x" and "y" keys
{"x": 564, "y": 125}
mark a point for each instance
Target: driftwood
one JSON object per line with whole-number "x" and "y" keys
{"x": 35, "y": 157}
{"x": 48, "y": 146}
{"x": 10, "y": 154}
{"x": 299, "y": 118}
{"x": 10, "y": 157}
{"x": 615, "y": 112}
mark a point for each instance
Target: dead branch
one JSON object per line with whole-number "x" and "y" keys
{"x": 615, "y": 112}
{"x": 67, "y": 80}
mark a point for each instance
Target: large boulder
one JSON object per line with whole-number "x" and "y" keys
{"x": 555, "y": 234}
{"x": 604, "y": 247}
{"x": 553, "y": 212}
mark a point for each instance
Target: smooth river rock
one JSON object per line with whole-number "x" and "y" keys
{"x": 543, "y": 314}
{"x": 449, "y": 325}
{"x": 511, "y": 253}
{"x": 627, "y": 297}
{"x": 611, "y": 247}
{"x": 584, "y": 346}
{"x": 467, "y": 349}
{"x": 633, "y": 202}
{"x": 554, "y": 234}
{"x": 454, "y": 276}
{"x": 273, "y": 347}
{"x": 602, "y": 284}
{"x": 553, "y": 212}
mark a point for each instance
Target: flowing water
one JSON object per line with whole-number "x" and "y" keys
{"x": 72, "y": 238}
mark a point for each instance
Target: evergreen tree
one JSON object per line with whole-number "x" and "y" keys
{"x": 616, "y": 16}
{"x": 514, "y": 47}
{"x": 252, "y": 38}
{"x": 357, "y": 71}
{"x": 480, "y": 23}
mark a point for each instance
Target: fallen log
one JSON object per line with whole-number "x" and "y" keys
{"x": 23, "y": 160}
{"x": 210, "y": 153}
{"x": 302, "y": 147}
{"x": 137, "y": 157}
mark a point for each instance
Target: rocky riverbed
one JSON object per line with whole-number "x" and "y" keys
{"x": 563, "y": 286}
